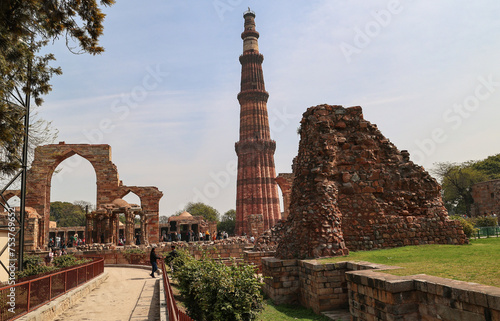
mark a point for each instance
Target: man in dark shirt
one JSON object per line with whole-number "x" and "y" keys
{"x": 170, "y": 257}
{"x": 152, "y": 258}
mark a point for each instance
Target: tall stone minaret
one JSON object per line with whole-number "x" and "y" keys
{"x": 257, "y": 191}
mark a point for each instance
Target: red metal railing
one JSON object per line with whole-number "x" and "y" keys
{"x": 174, "y": 314}
{"x": 23, "y": 297}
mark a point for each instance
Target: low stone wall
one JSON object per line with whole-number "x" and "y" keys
{"x": 321, "y": 287}
{"x": 213, "y": 250}
{"x": 255, "y": 258}
{"x": 375, "y": 295}
{"x": 372, "y": 295}
{"x": 239, "y": 251}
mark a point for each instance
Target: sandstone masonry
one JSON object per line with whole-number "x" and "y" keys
{"x": 373, "y": 295}
{"x": 109, "y": 187}
{"x": 486, "y": 197}
{"x": 257, "y": 191}
{"x": 355, "y": 190}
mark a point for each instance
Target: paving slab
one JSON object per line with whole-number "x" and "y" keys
{"x": 338, "y": 315}
{"x": 127, "y": 294}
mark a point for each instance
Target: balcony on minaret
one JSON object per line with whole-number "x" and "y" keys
{"x": 250, "y": 36}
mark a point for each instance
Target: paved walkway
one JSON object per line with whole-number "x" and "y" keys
{"x": 128, "y": 294}
{"x": 338, "y": 315}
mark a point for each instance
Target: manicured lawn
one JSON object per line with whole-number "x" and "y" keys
{"x": 288, "y": 312}
{"x": 478, "y": 262}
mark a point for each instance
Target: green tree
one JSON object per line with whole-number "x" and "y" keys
{"x": 201, "y": 209}
{"x": 489, "y": 166}
{"x": 227, "y": 222}
{"x": 26, "y": 26}
{"x": 457, "y": 180}
{"x": 67, "y": 214}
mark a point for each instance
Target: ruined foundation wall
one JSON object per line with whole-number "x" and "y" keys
{"x": 486, "y": 197}
{"x": 353, "y": 186}
{"x": 374, "y": 295}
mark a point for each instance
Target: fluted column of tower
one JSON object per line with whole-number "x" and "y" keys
{"x": 257, "y": 191}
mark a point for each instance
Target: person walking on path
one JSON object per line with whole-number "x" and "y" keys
{"x": 170, "y": 258}
{"x": 153, "y": 258}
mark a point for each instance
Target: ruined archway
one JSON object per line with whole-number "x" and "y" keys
{"x": 150, "y": 203}
{"x": 74, "y": 180}
{"x": 109, "y": 187}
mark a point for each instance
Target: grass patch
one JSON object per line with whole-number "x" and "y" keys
{"x": 177, "y": 295}
{"x": 477, "y": 262}
{"x": 288, "y": 312}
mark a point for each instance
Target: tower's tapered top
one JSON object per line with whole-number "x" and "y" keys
{"x": 250, "y": 35}
{"x": 249, "y": 12}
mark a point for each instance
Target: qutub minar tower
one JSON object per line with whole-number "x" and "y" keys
{"x": 257, "y": 191}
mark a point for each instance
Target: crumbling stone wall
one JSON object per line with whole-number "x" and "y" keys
{"x": 354, "y": 189}
{"x": 486, "y": 197}
{"x": 285, "y": 182}
{"x": 255, "y": 223}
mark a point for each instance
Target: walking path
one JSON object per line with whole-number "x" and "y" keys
{"x": 338, "y": 315}
{"x": 128, "y": 294}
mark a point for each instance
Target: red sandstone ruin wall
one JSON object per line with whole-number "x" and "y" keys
{"x": 353, "y": 185}
{"x": 486, "y": 197}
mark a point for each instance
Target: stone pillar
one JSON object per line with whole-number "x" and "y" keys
{"x": 114, "y": 224}
{"x": 143, "y": 236}
{"x": 129, "y": 228}
{"x": 107, "y": 228}
{"x": 89, "y": 227}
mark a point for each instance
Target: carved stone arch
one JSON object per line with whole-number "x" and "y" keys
{"x": 124, "y": 192}
{"x": 46, "y": 160}
{"x": 150, "y": 202}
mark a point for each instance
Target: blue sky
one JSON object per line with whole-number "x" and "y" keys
{"x": 163, "y": 94}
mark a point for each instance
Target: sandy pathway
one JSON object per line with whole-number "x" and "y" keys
{"x": 127, "y": 294}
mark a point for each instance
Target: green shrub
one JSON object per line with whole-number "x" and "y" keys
{"x": 129, "y": 253}
{"x": 179, "y": 260}
{"x": 34, "y": 264}
{"x": 467, "y": 226}
{"x": 68, "y": 261}
{"x": 486, "y": 221}
{"x": 214, "y": 291}
{"x": 35, "y": 270}
{"x": 32, "y": 261}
